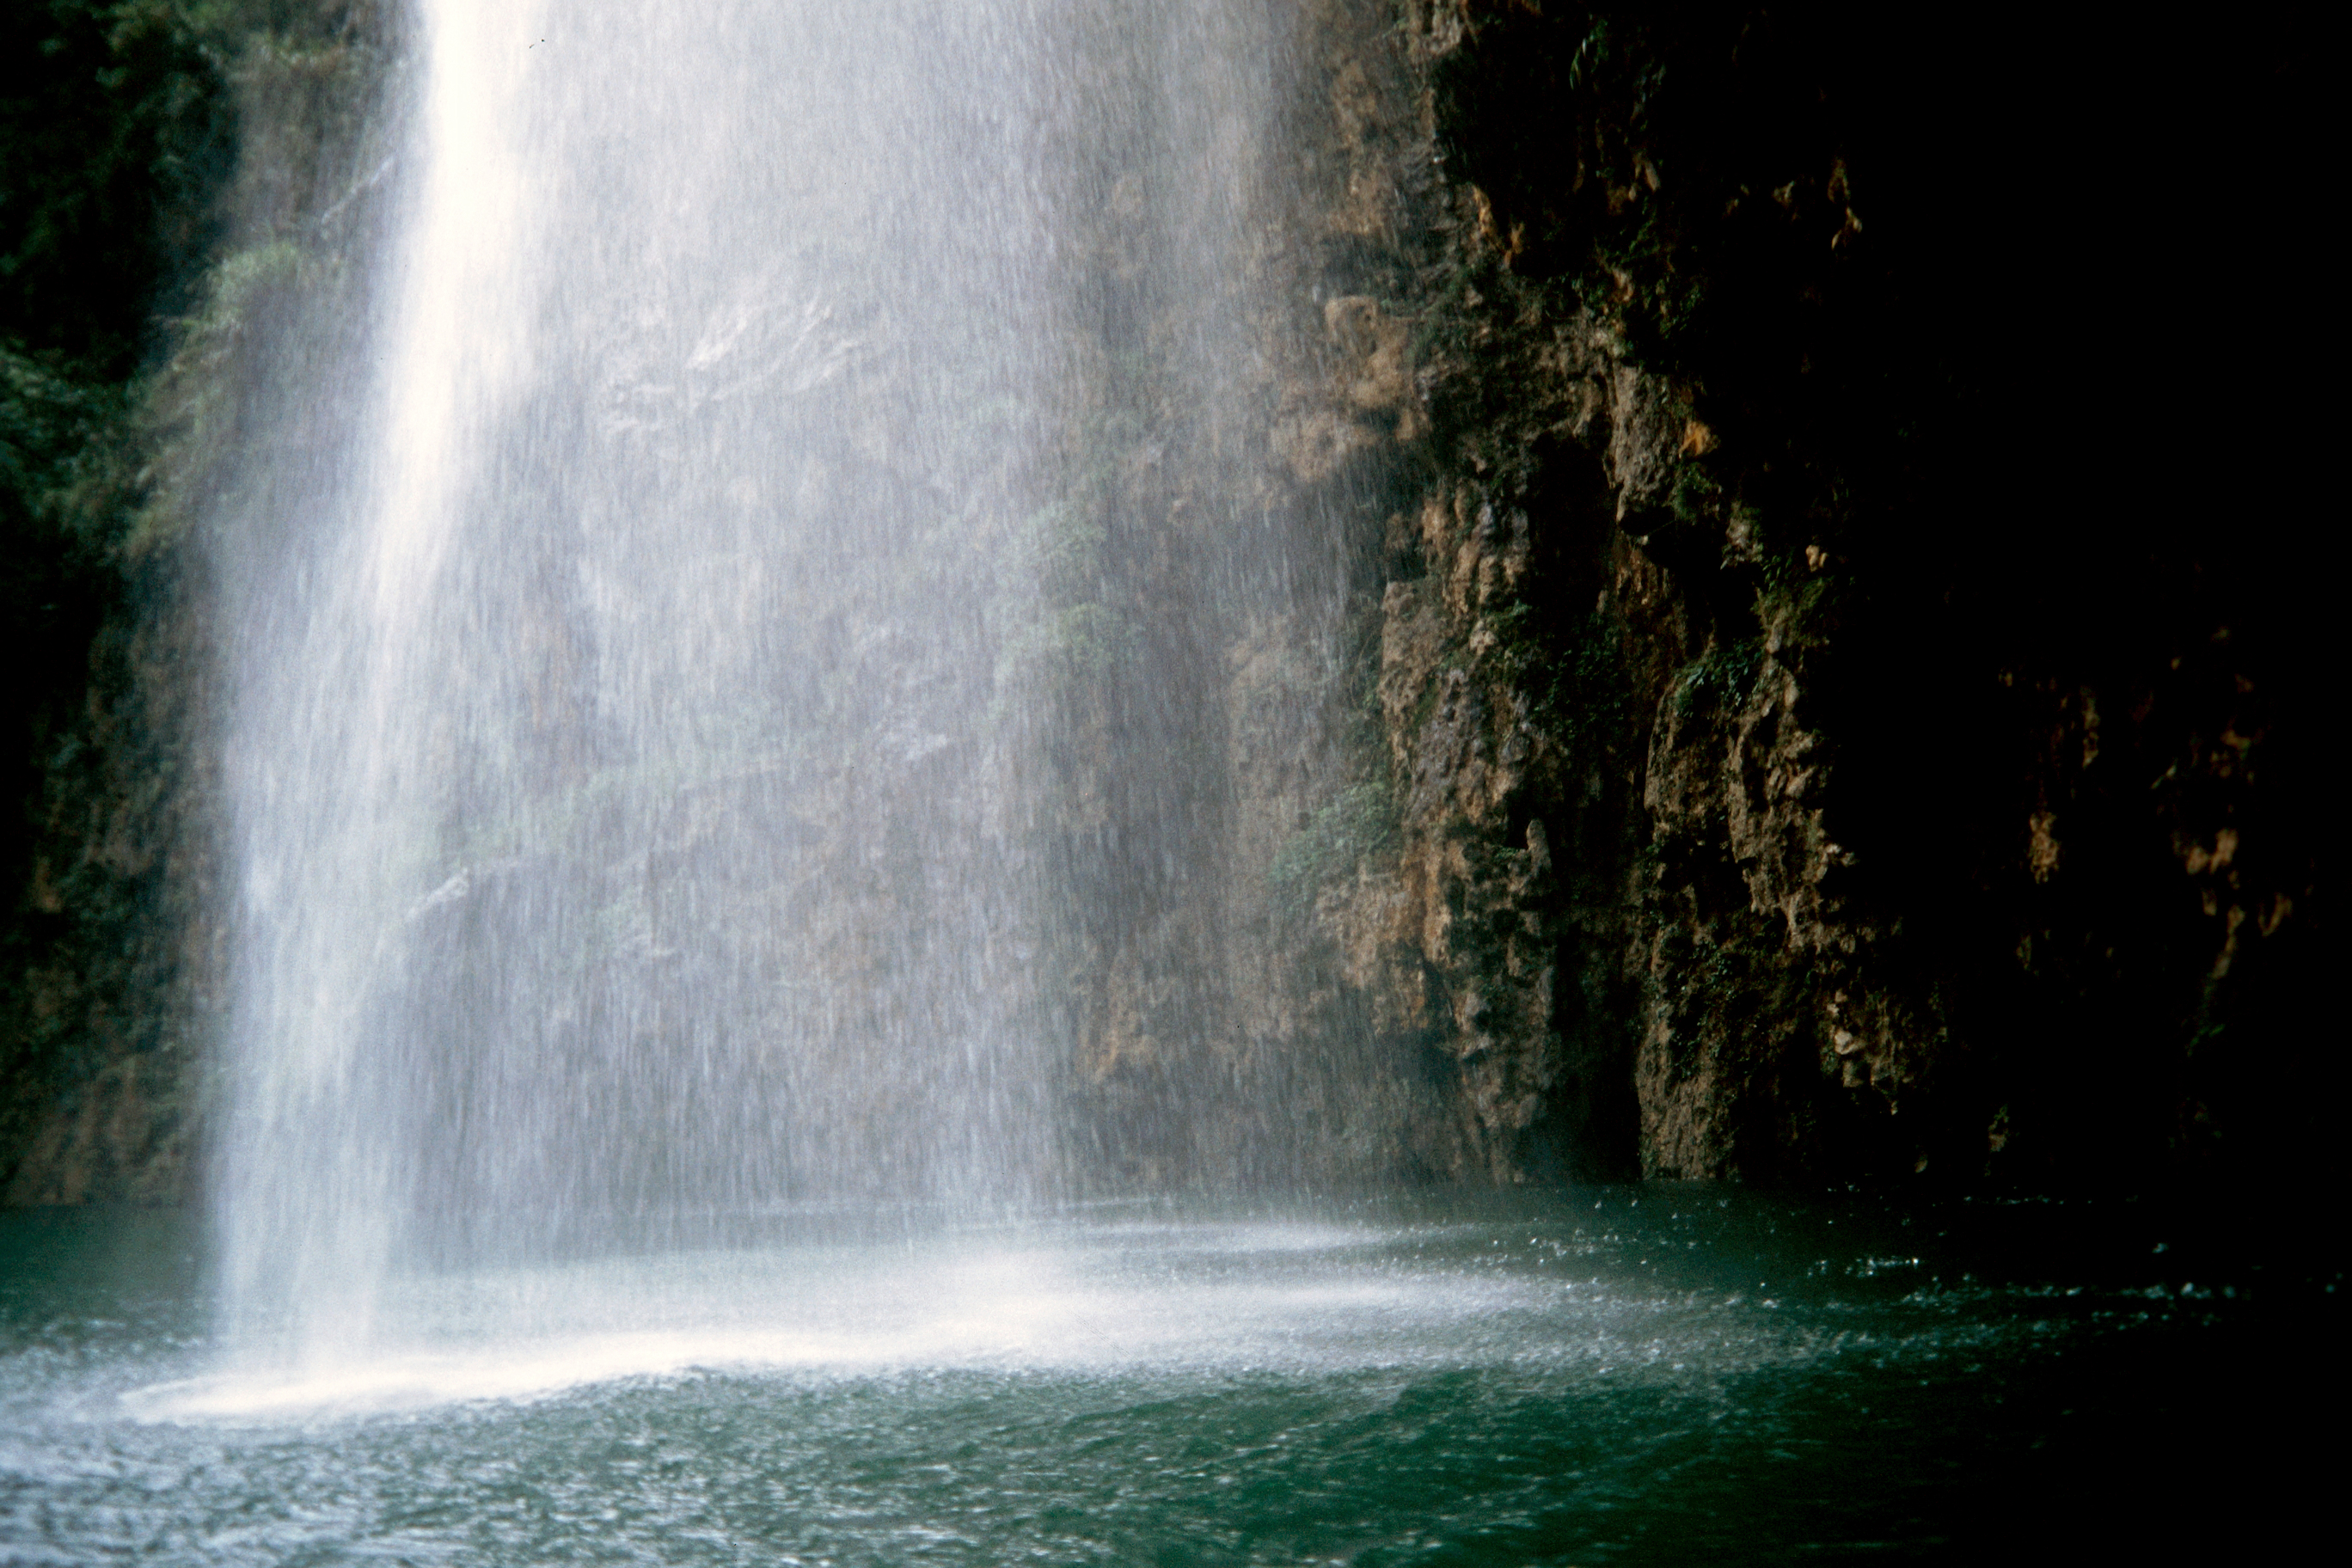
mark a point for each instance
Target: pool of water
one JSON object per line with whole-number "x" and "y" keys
{"x": 1648, "y": 1375}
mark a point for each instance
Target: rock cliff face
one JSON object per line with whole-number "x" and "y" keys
{"x": 1819, "y": 751}
{"x": 1711, "y": 605}
{"x": 180, "y": 185}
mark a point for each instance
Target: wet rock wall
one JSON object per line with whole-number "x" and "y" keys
{"x": 1737, "y": 599}
{"x": 185, "y": 185}
{"x": 1829, "y": 697}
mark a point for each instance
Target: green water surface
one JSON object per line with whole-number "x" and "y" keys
{"x": 1628, "y": 1375}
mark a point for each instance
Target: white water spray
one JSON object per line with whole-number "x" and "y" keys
{"x": 642, "y": 757}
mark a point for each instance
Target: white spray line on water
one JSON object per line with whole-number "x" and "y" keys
{"x": 498, "y": 1338}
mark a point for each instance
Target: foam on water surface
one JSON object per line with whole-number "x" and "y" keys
{"x": 1531, "y": 1378}
{"x": 1293, "y": 1297}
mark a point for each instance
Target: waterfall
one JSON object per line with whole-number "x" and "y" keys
{"x": 679, "y": 740}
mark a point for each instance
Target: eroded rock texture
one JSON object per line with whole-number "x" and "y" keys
{"x": 1723, "y": 592}
{"x": 185, "y": 187}
{"x": 1831, "y": 698}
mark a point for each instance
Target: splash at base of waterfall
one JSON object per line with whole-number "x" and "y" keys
{"x": 1073, "y": 1297}
{"x": 1649, "y": 1376}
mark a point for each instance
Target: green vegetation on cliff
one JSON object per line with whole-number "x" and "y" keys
{"x": 113, "y": 142}
{"x": 1960, "y": 505}
{"x": 121, "y": 316}
{"x": 1831, "y": 488}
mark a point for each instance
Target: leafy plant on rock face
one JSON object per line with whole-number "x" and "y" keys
{"x": 1573, "y": 674}
{"x": 1696, "y": 496}
{"x": 1721, "y": 678}
{"x": 1804, "y": 612}
{"x": 191, "y": 408}
{"x": 1361, "y": 821}
{"x": 1059, "y": 549}
{"x": 1064, "y": 653}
